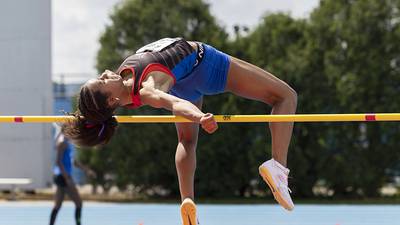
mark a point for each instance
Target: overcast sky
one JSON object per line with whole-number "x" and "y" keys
{"x": 77, "y": 25}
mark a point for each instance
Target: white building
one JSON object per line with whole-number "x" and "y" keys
{"x": 26, "y": 89}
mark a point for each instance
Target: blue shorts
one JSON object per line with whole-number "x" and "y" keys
{"x": 208, "y": 78}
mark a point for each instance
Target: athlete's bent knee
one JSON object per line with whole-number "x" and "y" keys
{"x": 287, "y": 97}
{"x": 292, "y": 97}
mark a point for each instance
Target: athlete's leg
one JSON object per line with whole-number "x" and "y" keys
{"x": 185, "y": 157}
{"x": 73, "y": 194}
{"x": 252, "y": 82}
{"x": 58, "y": 199}
{"x": 249, "y": 81}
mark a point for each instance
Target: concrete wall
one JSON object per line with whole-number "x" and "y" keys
{"x": 25, "y": 89}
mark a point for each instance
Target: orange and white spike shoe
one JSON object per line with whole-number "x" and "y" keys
{"x": 189, "y": 212}
{"x": 276, "y": 176}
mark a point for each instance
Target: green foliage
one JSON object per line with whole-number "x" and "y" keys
{"x": 360, "y": 58}
{"x": 343, "y": 59}
{"x": 139, "y": 22}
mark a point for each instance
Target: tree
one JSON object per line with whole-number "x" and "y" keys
{"x": 358, "y": 41}
{"x": 139, "y": 22}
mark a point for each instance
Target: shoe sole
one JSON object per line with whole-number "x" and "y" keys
{"x": 188, "y": 213}
{"x": 267, "y": 177}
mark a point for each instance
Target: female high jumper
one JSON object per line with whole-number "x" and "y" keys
{"x": 174, "y": 74}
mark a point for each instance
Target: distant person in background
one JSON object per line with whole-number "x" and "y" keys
{"x": 63, "y": 179}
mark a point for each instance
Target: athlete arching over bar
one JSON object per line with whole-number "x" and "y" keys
{"x": 174, "y": 74}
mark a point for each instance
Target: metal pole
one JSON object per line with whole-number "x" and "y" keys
{"x": 222, "y": 118}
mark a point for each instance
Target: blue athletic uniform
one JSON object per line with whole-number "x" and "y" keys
{"x": 67, "y": 159}
{"x": 208, "y": 78}
{"x": 195, "y": 73}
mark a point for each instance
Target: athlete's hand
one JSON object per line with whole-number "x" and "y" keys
{"x": 208, "y": 123}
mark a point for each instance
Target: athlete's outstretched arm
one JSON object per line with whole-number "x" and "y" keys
{"x": 159, "y": 99}
{"x": 180, "y": 107}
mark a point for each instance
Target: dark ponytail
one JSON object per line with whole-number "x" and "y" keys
{"x": 94, "y": 123}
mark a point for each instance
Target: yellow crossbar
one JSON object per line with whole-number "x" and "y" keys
{"x": 222, "y": 118}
